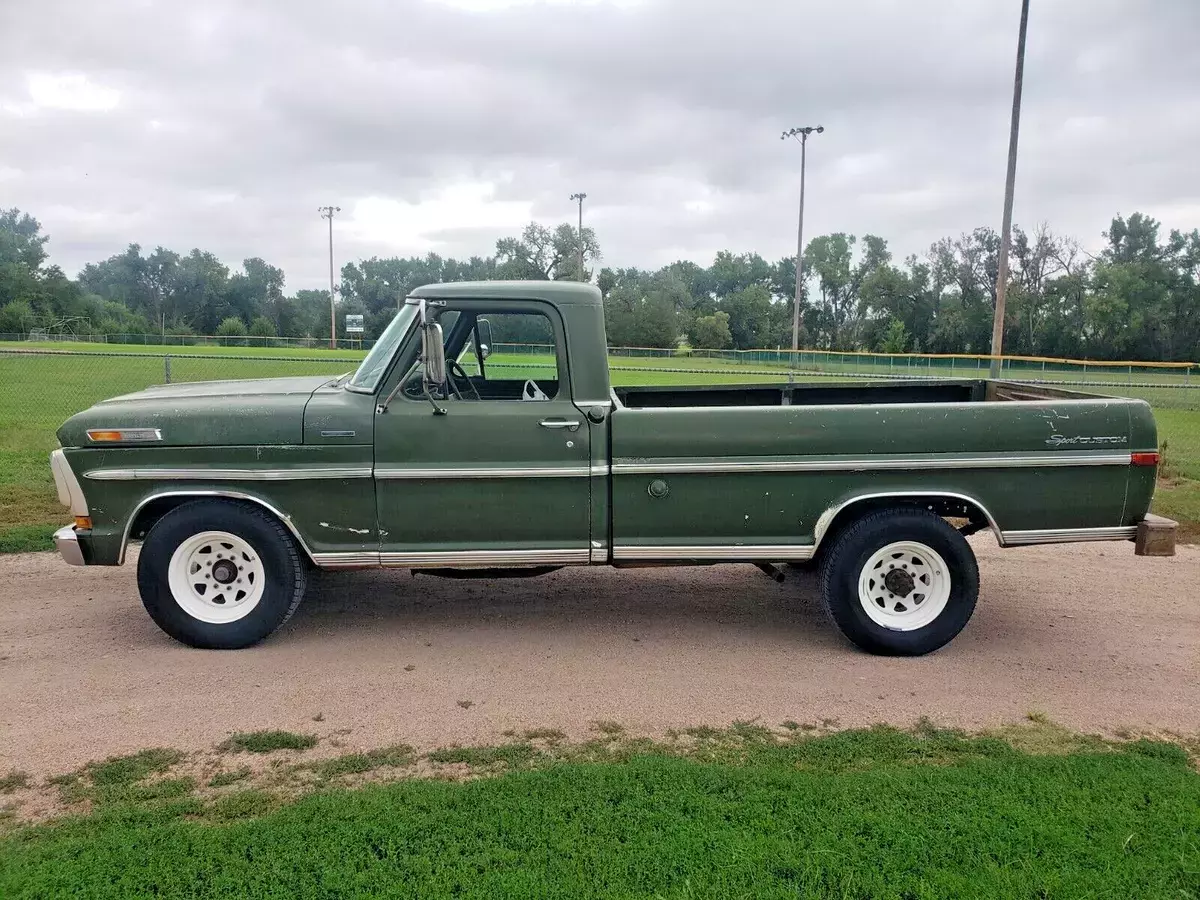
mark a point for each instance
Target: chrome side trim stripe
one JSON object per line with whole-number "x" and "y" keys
{"x": 1067, "y": 535}
{"x": 487, "y": 559}
{"x": 765, "y": 552}
{"x": 359, "y": 560}
{"x": 391, "y": 473}
{"x": 224, "y": 474}
{"x": 455, "y": 559}
{"x": 645, "y": 467}
{"x": 601, "y": 469}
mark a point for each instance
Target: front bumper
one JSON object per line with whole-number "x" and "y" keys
{"x": 66, "y": 542}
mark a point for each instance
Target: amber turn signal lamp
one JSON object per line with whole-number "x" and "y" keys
{"x": 123, "y": 435}
{"x": 83, "y": 522}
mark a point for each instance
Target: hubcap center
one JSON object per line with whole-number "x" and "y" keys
{"x": 224, "y": 571}
{"x": 899, "y": 582}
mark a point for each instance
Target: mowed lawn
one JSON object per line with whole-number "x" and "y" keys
{"x": 38, "y": 392}
{"x": 878, "y": 813}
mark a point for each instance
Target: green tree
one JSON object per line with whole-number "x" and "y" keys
{"x": 231, "y": 327}
{"x": 749, "y": 311}
{"x": 21, "y": 240}
{"x": 712, "y": 332}
{"x": 201, "y": 287}
{"x": 255, "y": 291}
{"x": 640, "y": 312}
{"x": 16, "y": 317}
{"x": 261, "y": 327}
{"x": 890, "y": 294}
{"x": 541, "y": 253}
{"x": 895, "y": 338}
{"x": 831, "y": 259}
{"x": 964, "y": 276}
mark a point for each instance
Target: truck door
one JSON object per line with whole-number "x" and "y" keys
{"x": 502, "y": 478}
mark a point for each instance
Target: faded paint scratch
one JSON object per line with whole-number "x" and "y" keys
{"x": 345, "y": 528}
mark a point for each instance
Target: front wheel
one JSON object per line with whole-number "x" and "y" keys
{"x": 220, "y": 574}
{"x": 900, "y": 582}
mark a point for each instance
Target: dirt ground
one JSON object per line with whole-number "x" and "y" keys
{"x": 1089, "y": 635}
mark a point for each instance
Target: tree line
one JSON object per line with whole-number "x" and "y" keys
{"x": 1137, "y": 298}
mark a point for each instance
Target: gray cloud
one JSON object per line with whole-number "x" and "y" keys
{"x": 438, "y": 128}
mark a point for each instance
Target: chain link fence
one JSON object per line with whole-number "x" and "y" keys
{"x": 165, "y": 339}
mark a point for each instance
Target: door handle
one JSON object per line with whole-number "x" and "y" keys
{"x": 569, "y": 424}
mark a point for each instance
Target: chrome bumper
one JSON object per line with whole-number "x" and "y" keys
{"x": 66, "y": 542}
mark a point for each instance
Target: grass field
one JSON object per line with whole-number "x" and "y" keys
{"x": 745, "y": 812}
{"x": 37, "y": 392}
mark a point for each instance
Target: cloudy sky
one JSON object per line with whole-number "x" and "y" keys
{"x": 439, "y": 125}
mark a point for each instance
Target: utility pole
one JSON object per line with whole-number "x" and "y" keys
{"x": 327, "y": 213}
{"x": 580, "y": 198}
{"x": 800, "y": 134}
{"x": 1009, "y": 184}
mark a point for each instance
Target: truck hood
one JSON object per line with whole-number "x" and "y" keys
{"x": 205, "y": 413}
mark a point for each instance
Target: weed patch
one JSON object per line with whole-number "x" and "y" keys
{"x": 269, "y": 741}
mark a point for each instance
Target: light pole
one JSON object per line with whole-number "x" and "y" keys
{"x": 800, "y": 134}
{"x": 1009, "y": 184}
{"x": 580, "y": 197}
{"x": 327, "y": 213}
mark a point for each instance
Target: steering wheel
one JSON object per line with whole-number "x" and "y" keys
{"x": 457, "y": 371}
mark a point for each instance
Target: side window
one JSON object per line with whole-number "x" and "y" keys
{"x": 521, "y": 363}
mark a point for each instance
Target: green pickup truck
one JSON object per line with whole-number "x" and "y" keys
{"x": 436, "y": 458}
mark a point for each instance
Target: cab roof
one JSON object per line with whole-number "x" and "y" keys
{"x": 560, "y": 293}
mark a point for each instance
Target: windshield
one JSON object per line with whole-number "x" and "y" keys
{"x": 366, "y": 378}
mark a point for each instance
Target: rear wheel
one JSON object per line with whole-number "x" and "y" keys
{"x": 900, "y": 582}
{"x": 220, "y": 574}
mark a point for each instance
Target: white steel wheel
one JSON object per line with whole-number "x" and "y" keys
{"x": 216, "y": 577}
{"x": 904, "y": 586}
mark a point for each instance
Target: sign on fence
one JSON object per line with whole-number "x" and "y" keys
{"x": 354, "y": 324}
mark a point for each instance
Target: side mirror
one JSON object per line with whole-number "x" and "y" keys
{"x": 485, "y": 337}
{"x": 433, "y": 355}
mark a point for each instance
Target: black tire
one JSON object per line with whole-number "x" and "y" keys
{"x": 282, "y": 563}
{"x": 855, "y": 545}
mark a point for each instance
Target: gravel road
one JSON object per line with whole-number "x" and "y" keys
{"x": 1090, "y": 635}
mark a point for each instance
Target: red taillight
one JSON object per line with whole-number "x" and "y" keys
{"x": 1144, "y": 459}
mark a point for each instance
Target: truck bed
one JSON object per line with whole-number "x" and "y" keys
{"x": 738, "y": 466}
{"x": 836, "y": 393}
